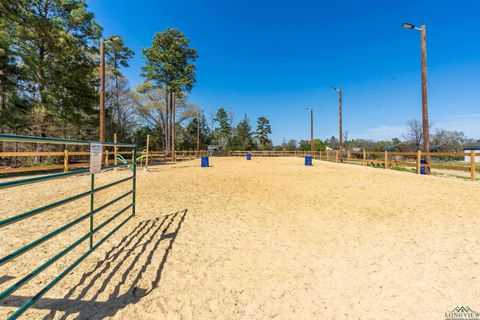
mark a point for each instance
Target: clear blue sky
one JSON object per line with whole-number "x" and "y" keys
{"x": 274, "y": 58}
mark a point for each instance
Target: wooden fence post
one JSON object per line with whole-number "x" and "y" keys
{"x": 472, "y": 165}
{"x": 386, "y": 160}
{"x": 65, "y": 160}
{"x": 419, "y": 161}
{"x": 148, "y": 150}
{"x": 106, "y": 157}
{"x": 336, "y": 155}
{"x": 115, "y": 149}
{"x": 348, "y": 155}
{"x": 364, "y": 158}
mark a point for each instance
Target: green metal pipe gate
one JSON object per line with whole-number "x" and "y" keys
{"x": 89, "y": 215}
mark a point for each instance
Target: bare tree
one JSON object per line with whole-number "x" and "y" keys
{"x": 345, "y": 138}
{"x": 186, "y": 110}
{"x": 414, "y": 134}
{"x": 212, "y": 121}
{"x": 448, "y": 137}
{"x": 151, "y": 107}
{"x": 120, "y": 108}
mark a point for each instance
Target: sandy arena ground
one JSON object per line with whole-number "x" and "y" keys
{"x": 260, "y": 239}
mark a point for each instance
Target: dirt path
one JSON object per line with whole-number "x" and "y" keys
{"x": 267, "y": 238}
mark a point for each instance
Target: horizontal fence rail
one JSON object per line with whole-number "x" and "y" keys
{"x": 442, "y": 161}
{"x": 89, "y": 235}
{"x": 34, "y": 162}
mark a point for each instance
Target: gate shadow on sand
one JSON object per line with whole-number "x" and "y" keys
{"x": 122, "y": 260}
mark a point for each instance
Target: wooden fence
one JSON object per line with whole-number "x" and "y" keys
{"x": 441, "y": 162}
{"x": 68, "y": 160}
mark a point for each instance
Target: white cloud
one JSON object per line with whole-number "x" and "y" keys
{"x": 383, "y": 132}
{"x": 468, "y": 123}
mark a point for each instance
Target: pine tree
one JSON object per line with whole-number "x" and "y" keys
{"x": 13, "y": 107}
{"x": 263, "y": 132}
{"x": 55, "y": 47}
{"x": 243, "y": 138}
{"x": 169, "y": 64}
{"x": 190, "y": 135}
{"x": 117, "y": 89}
{"x": 223, "y": 132}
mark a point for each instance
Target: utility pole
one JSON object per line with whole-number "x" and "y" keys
{"x": 102, "y": 86}
{"x": 173, "y": 126}
{"x": 340, "y": 101}
{"x": 425, "y": 124}
{"x": 311, "y": 131}
{"x": 340, "y": 133}
{"x": 426, "y": 133}
{"x": 102, "y": 90}
{"x": 198, "y": 133}
{"x": 167, "y": 121}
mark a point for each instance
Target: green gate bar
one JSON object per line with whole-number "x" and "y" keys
{"x": 89, "y": 235}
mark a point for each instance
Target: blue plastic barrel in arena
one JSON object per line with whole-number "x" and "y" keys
{"x": 308, "y": 160}
{"x": 204, "y": 162}
{"x": 249, "y": 156}
{"x": 422, "y": 168}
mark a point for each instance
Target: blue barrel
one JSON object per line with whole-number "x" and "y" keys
{"x": 422, "y": 168}
{"x": 204, "y": 162}
{"x": 249, "y": 156}
{"x": 308, "y": 160}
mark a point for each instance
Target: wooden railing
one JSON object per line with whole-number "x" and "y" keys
{"x": 267, "y": 153}
{"x": 163, "y": 157}
{"x": 441, "y": 161}
{"x": 67, "y": 160}
{"x": 24, "y": 161}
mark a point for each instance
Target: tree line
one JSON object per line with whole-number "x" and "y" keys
{"x": 412, "y": 139}
{"x": 49, "y": 83}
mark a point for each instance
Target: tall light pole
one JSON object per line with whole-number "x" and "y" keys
{"x": 173, "y": 101}
{"x": 340, "y": 121}
{"x": 198, "y": 133}
{"x": 423, "y": 45}
{"x": 311, "y": 129}
{"x": 102, "y": 86}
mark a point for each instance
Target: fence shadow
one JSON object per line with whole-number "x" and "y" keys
{"x": 129, "y": 261}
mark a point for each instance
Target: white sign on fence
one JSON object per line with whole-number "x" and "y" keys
{"x": 95, "y": 157}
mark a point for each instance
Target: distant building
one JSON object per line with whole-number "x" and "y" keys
{"x": 467, "y": 151}
{"x": 402, "y": 147}
{"x": 445, "y": 148}
{"x": 213, "y": 150}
